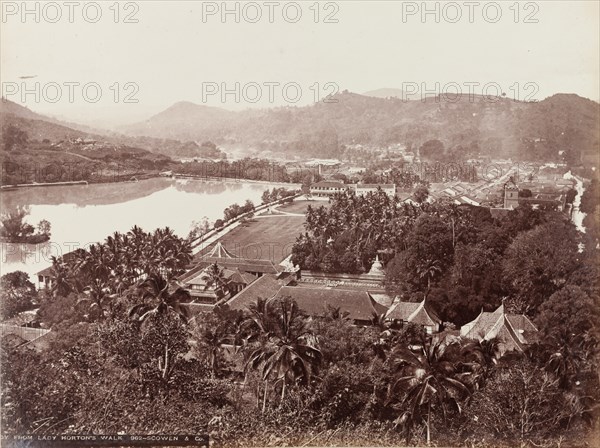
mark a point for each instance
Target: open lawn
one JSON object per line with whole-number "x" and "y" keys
{"x": 301, "y": 206}
{"x": 268, "y": 238}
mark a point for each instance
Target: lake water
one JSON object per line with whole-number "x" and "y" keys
{"x": 85, "y": 214}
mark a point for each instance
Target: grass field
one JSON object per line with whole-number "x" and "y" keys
{"x": 301, "y": 206}
{"x": 269, "y": 238}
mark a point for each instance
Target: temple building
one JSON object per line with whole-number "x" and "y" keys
{"x": 415, "y": 313}
{"x": 515, "y": 331}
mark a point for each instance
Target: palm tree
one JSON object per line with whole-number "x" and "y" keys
{"x": 162, "y": 298}
{"x": 286, "y": 351}
{"x": 479, "y": 358}
{"x": 96, "y": 299}
{"x": 63, "y": 283}
{"x": 427, "y": 378}
{"x": 429, "y": 271}
{"x": 217, "y": 279}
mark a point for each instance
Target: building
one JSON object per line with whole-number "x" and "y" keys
{"x": 539, "y": 194}
{"x": 46, "y": 277}
{"x": 212, "y": 283}
{"x": 264, "y": 287}
{"x": 515, "y": 331}
{"x": 327, "y": 188}
{"x": 359, "y": 306}
{"x": 372, "y": 281}
{"x": 415, "y": 313}
{"x": 363, "y": 189}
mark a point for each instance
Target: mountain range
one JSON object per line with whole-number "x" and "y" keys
{"x": 474, "y": 126}
{"x": 499, "y": 127}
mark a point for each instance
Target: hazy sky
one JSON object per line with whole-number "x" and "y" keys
{"x": 179, "y": 50}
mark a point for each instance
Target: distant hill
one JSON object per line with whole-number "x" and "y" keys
{"x": 33, "y": 149}
{"x": 10, "y": 107}
{"x": 184, "y": 121}
{"x": 385, "y": 93}
{"x": 497, "y": 128}
{"x": 42, "y": 127}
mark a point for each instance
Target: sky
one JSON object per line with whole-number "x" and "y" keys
{"x": 107, "y": 64}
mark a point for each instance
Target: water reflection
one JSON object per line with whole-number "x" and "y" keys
{"x": 84, "y": 214}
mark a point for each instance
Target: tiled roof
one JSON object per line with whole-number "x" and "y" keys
{"x": 402, "y": 310}
{"x": 482, "y": 325}
{"x": 514, "y": 330}
{"x": 314, "y": 301}
{"x": 264, "y": 287}
{"x": 415, "y": 312}
{"x": 523, "y": 327}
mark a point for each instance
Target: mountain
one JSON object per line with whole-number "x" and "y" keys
{"x": 475, "y": 126}
{"x": 10, "y": 107}
{"x": 183, "y": 121}
{"x": 35, "y": 149}
{"x": 385, "y": 93}
{"x": 42, "y": 127}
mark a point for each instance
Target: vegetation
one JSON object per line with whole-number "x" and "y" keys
{"x": 276, "y": 194}
{"x": 18, "y": 294}
{"x": 271, "y": 375}
{"x": 127, "y": 356}
{"x": 444, "y": 131}
{"x": 14, "y": 229}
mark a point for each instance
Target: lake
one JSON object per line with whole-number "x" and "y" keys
{"x": 85, "y": 214}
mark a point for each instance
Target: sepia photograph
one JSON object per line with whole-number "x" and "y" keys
{"x": 236, "y": 224}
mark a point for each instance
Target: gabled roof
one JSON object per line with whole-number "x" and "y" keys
{"x": 414, "y": 312}
{"x": 264, "y": 287}
{"x": 402, "y": 310}
{"x": 514, "y": 330}
{"x": 359, "y": 305}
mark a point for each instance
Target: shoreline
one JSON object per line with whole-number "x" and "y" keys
{"x": 145, "y": 177}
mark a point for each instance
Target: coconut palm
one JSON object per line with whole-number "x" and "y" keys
{"x": 286, "y": 351}
{"x": 160, "y": 297}
{"x": 63, "y": 283}
{"x": 428, "y": 271}
{"x": 97, "y": 298}
{"x": 479, "y": 358}
{"x": 427, "y": 379}
{"x": 216, "y": 278}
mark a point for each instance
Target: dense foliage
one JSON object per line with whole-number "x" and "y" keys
{"x": 125, "y": 354}
{"x": 14, "y": 228}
